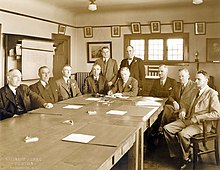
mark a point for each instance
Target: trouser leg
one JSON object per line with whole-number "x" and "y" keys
{"x": 167, "y": 115}
{"x": 170, "y": 131}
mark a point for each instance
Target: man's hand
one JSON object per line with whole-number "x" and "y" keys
{"x": 110, "y": 83}
{"x": 176, "y": 105}
{"x": 110, "y": 93}
{"x": 182, "y": 115}
{"x": 48, "y": 105}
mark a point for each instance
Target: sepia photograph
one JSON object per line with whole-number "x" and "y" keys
{"x": 88, "y": 32}
{"x": 155, "y": 26}
{"x": 177, "y": 26}
{"x": 200, "y": 28}
{"x": 109, "y": 84}
{"x": 136, "y": 28}
{"x": 115, "y": 31}
{"x": 94, "y": 50}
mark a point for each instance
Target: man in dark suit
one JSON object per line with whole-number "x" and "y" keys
{"x": 136, "y": 67}
{"x": 162, "y": 87}
{"x": 67, "y": 87}
{"x": 17, "y": 98}
{"x": 179, "y": 98}
{"x": 95, "y": 83}
{"x": 126, "y": 85}
{"x": 204, "y": 105}
{"x": 46, "y": 87}
{"x": 109, "y": 66}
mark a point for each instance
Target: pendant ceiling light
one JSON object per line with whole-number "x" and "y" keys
{"x": 92, "y": 6}
{"x": 196, "y": 2}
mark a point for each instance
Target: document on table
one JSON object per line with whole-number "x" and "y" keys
{"x": 116, "y": 112}
{"x": 72, "y": 107}
{"x": 74, "y": 137}
{"x": 93, "y": 99}
{"x": 152, "y": 98}
{"x": 147, "y": 103}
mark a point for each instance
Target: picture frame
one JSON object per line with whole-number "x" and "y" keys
{"x": 94, "y": 50}
{"x": 61, "y": 29}
{"x": 155, "y": 27}
{"x": 200, "y": 28}
{"x": 136, "y": 27}
{"x": 115, "y": 31}
{"x": 88, "y": 32}
{"x": 213, "y": 49}
{"x": 177, "y": 26}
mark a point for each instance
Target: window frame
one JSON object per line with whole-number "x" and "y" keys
{"x": 164, "y": 36}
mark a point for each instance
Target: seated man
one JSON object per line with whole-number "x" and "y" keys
{"x": 162, "y": 87}
{"x": 179, "y": 98}
{"x": 126, "y": 85}
{"x": 46, "y": 87}
{"x": 67, "y": 87}
{"x": 17, "y": 98}
{"x": 96, "y": 82}
{"x": 204, "y": 104}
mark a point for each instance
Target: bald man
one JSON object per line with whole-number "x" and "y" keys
{"x": 17, "y": 98}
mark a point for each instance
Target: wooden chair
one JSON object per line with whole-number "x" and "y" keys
{"x": 203, "y": 138}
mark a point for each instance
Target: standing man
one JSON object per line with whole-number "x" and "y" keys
{"x": 162, "y": 87}
{"x": 204, "y": 105}
{"x": 96, "y": 82}
{"x": 17, "y": 98}
{"x": 67, "y": 87}
{"x": 109, "y": 66}
{"x": 126, "y": 85}
{"x": 46, "y": 87}
{"x": 136, "y": 67}
{"x": 179, "y": 98}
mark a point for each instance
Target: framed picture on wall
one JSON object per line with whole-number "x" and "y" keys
{"x": 88, "y": 32}
{"x": 116, "y": 31}
{"x": 94, "y": 50}
{"x": 200, "y": 28}
{"x": 177, "y": 26}
{"x": 136, "y": 27}
{"x": 61, "y": 29}
{"x": 155, "y": 26}
{"x": 213, "y": 49}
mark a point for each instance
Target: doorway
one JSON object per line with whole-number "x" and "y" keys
{"x": 62, "y": 54}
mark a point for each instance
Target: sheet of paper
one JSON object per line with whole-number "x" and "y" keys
{"x": 116, "y": 112}
{"x": 152, "y": 98}
{"x": 145, "y": 118}
{"x": 72, "y": 107}
{"x": 74, "y": 137}
{"x": 147, "y": 103}
{"x": 93, "y": 99}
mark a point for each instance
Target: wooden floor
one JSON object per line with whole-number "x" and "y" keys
{"x": 157, "y": 158}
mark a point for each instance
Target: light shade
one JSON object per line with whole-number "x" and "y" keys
{"x": 197, "y": 2}
{"x": 92, "y": 7}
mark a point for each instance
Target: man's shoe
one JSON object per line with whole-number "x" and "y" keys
{"x": 186, "y": 163}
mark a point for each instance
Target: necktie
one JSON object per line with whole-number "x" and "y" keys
{"x": 105, "y": 65}
{"x": 161, "y": 82}
{"x": 181, "y": 90}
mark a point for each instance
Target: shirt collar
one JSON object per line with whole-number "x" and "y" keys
{"x": 43, "y": 83}
{"x": 203, "y": 89}
{"x": 96, "y": 77}
{"x": 12, "y": 88}
{"x": 65, "y": 79}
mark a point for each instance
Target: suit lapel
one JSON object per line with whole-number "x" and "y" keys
{"x": 10, "y": 95}
{"x": 64, "y": 85}
{"x": 40, "y": 87}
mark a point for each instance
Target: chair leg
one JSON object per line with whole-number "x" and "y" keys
{"x": 216, "y": 151}
{"x": 195, "y": 152}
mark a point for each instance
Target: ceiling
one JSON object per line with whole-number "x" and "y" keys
{"x": 80, "y": 6}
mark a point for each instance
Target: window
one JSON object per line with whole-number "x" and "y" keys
{"x": 161, "y": 48}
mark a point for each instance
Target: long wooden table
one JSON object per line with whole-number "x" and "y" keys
{"x": 114, "y": 135}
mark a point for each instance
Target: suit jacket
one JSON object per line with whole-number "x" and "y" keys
{"x": 136, "y": 68}
{"x": 90, "y": 86}
{"x": 30, "y": 99}
{"x": 162, "y": 91}
{"x": 63, "y": 90}
{"x": 111, "y": 71}
{"x": 130, "y": 88}
{"x": 205, "y": 106}
{"x": 40, "y": 90}
{"x": 184, "y": 99}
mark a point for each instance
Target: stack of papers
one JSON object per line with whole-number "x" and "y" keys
{"x": 147, "y": 103}
{"x": 74, "y": 137}
{"x": 93, "y": 99}
{"x": 152, "y": 98}
{"x": 72, "y": 107}
{"x": 116, "y": 112}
